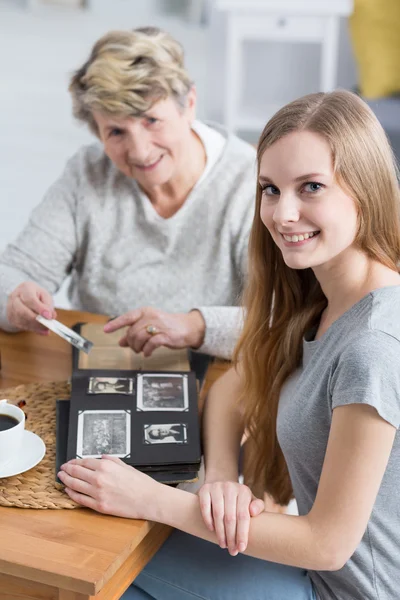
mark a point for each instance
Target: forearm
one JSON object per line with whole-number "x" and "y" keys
{"x": 274, "y": 537}
{"x": 222, "y": 429}
{"x": 10, "y": 278}
{"x": 223, "y": 326}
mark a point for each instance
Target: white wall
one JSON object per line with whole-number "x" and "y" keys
{"x": 275, "y": 73}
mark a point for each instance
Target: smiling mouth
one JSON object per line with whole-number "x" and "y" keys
{"x": 299, "y": 237}
{"x": 150, "y": 166}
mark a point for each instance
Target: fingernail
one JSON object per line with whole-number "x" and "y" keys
{"x": 46, "y": 314}
{"x": 242, "y": 547}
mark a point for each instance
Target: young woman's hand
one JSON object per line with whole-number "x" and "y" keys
{"x": 111, "y": 487}
{"x": 26, "y": 302}
{"x": 149, "y": 328}
{"x": 226, "y": 508}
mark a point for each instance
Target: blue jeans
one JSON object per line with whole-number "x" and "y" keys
{"x": 187, "y": 567}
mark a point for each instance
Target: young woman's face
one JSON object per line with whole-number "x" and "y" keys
{"x": 150, "y": 148}
{"x": 310, "y": 218}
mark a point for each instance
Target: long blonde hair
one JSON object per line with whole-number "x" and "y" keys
{"x": 282, "y": 303}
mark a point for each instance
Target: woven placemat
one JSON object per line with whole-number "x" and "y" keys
{"x": 36, "y": 488}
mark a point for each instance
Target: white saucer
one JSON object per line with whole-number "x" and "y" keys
{"x": 32, "y": 451}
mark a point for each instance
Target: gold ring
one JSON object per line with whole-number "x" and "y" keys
{"x": 151, "y": 329}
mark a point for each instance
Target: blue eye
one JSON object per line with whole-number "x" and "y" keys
{"x": 269, "y": 190}
{"x": 313, "y": 186}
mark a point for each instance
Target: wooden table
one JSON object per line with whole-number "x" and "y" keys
{"x": 67, "y": 554}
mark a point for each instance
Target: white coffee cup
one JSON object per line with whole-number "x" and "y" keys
{"x": 11, "y": 439}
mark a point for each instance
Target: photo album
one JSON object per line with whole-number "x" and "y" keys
{"x": 141, "y": 410}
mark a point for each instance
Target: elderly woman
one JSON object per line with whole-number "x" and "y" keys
{"x": 152, "y": 220}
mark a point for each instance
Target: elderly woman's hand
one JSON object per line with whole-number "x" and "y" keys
{"x": 149, "y": 328}
{"x": 26, "y": 302}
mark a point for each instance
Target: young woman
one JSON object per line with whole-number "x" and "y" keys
{"x": 318, "y": 379}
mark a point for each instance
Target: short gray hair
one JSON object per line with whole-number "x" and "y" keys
{"x": 127, "y": 72}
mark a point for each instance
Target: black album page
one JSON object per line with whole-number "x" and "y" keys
{"x": 148, "y": 419}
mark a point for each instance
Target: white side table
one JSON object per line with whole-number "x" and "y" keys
{"x": 300, "y": 21}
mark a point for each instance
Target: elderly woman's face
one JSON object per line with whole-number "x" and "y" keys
{"x": 150, "y": 148}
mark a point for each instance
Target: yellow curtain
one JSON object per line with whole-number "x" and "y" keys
{"x": 375, "y": 33}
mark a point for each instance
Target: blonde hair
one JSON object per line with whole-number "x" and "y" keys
{"x": 282, "y": 303}
{"x": 127, "y": 72}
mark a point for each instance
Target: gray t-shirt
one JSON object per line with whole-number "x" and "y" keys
{"x": 357, "y": 361}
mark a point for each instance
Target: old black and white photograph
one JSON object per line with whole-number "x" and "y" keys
{"x": 104, "y": 432}
{"x": 165, "y": 433}
{"x": 110, "y": 385}
{"x": 162, "y": 392}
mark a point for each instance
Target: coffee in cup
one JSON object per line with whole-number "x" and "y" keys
{"x": 7, "y": 421}
{"x": 12, "y": 424}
